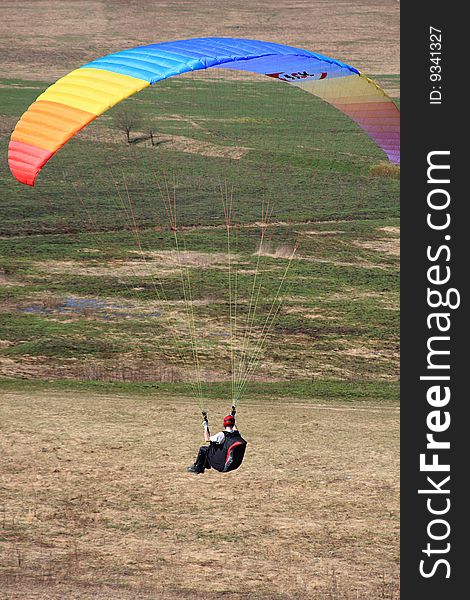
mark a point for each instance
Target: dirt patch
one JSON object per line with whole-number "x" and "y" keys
{"x": 116, "y": 268}
{"x": 370, "y": 352}
{"x": 352, "y": 294}
{"x": 180, "y": 143}
{"x": 363, "y": 264}
{"x": 308, "y": 314}
{"x": 390, "y": 229}
{"x": 174, "y": 143}
{"x": 386, "y": 245}
{"x": 389, "y": 246}
{"x": 6, "y": 281}
{"x": 323, "y": 232}
{"x": 189, "y": 258}
{"x": 162, "y": 263}
{"x": 285, "y": 251}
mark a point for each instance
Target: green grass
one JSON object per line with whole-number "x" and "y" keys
{"x": 35, "y": 335}
{"x": 351, "y": 303}
{"x": 309, "y": 159}
{"x": 300, "y": 390}
{"x": 314, "y": 166}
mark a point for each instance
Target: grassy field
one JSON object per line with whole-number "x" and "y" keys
{"x": 96, "y": 290}
{"x": 96, "y": 503}
{"x": 97, "y": 350}
{"x": 312, "y": 162}
{"x": 58, "y": 302}
{"x": 61, "y": 33}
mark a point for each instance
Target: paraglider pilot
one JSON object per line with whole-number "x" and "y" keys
{"x": 225, "y": 451}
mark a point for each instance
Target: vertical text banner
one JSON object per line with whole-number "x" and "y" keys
{"x": 435, "y": 268}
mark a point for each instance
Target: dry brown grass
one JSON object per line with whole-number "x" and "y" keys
{"x": 96, "y": 502}
{"x": 272, "y": 250}
{"x": 93, "y": 370}
{"x": 324, "y": 232}
{"x": 178, "y": 143}
{"x": 385, "y": 169}
{"x": 389, "y": 245}
{"x": 361, "y": 263}
{"x": 61, "y": 35}
{"x": 52, "y": 302}
{"x": 390, "y": 229}
{"x": 161, "y": 263}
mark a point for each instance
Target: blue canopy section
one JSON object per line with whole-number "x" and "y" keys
{"x": 159, "y": 61}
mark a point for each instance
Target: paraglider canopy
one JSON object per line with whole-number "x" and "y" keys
{"x": 78, "y": 98}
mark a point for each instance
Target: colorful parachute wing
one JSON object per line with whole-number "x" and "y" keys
{"x": 76, "y": 99}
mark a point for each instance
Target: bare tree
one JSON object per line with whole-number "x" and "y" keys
{"x": 126, "y": 121}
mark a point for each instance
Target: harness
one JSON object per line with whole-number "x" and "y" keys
{"x": 228, "y": 455}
